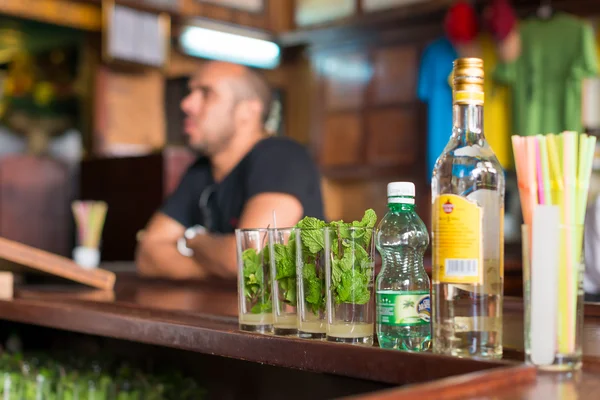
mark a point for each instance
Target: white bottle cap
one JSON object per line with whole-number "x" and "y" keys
{"x": 401, "y": 192}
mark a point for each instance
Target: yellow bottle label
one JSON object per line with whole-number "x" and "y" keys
{"x": 468, "y": 97}
{"x": 502, "y": 243}
{"x": 457, "y": 240}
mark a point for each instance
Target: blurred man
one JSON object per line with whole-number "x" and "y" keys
{"x": 242, "y": 178}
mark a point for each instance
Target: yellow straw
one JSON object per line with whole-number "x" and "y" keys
{"x": 555, "y": 170}
{"x": 97, "y": 217}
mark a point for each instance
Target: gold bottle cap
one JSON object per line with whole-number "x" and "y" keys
{"x": 467, "y": 81}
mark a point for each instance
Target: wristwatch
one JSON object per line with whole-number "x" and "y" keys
{"x": 189, "y": 234}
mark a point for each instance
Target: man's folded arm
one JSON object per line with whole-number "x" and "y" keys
{"x": 157, "y": 254}
{"x": 213, "y": 254}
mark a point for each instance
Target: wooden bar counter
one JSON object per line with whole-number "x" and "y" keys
{"x": 202, "y": 318}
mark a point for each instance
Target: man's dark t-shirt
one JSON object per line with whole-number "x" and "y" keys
{"x": 274, "y": 165}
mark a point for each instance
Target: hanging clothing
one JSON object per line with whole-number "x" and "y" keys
{"x": 433, "y": 88}
{"x": 546, "y": 80}
{"x": 497, "y": 115}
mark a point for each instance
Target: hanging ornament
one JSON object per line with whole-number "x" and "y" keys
{"x": 500, "y": 19}
{"x": 460, "y": 23}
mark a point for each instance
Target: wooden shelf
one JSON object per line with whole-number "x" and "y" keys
{"x": 409, "y": 19}
{"x": 366, "y": 24}
{"x": 138, "y": 5}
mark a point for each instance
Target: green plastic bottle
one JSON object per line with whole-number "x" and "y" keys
{"x": 403, "y": 289}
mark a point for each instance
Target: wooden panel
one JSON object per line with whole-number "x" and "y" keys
{"x": 18, "y": 257}
{"x": 34, "y": 203}
{"x": 345, "y": 79}
{"x": 395, "y": 75}
{"x": 59, "y": 12}
{"x": 129, "y": 110}
{"x": 299, "y": 85}
{"x": 349, "y": 200}
{"x": 477, "y": 383}
{"x": 391, "y": 137}
{"x": 133, "y": 189}
{"x": 275, "y": 16}
{"x": 281, "y": 15}
{"x": 182, "y": 65}
{"x": 176, "y": 89}
{"x": 212, "y": 11}
{"x": 342, "y": 140}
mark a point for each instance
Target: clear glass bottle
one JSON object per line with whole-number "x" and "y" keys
{"x": 468, "y": 237}
{"x": 403, "y": 288}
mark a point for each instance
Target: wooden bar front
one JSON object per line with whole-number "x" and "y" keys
{"x": 201, "y": 319}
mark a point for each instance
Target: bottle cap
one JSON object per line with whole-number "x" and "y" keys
{"x": 401, "y": 192}
{"x": 467, "y": 81}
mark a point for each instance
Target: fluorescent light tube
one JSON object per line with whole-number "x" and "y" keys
{"x": 224, "y": 46}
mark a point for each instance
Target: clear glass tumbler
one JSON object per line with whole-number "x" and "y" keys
{"x": 282, "y": 246}
{"x": 254, "y": 280}
{"x": 310, "y": 267}
{"x": 552, "y": 331}
{"x": 350, "y": 273}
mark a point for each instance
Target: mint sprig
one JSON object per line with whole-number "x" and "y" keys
{"x": 285, "y": 270}
{"x": 257, "y": 290}
{"x": 352, "y": 265}
{"x": 351, "y": 268}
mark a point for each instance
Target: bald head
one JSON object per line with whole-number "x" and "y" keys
{"x": 246, "y": 84}
{"x": 254, "y": 85}
{"x": 225, "y": 98}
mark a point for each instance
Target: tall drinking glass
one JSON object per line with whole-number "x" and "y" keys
{"x": 254, "y": 283}
{"x": 350, "y": 273}
{"x": 310, "y": 267}
{"x": 282, "y": 248}
{"x": 553, "y": 297}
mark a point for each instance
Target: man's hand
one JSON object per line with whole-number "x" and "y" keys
{"x": 214, "y": 254}
{"x": 157, "y": 254}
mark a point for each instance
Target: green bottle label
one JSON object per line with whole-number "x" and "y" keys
{"x": 403, "y": 308}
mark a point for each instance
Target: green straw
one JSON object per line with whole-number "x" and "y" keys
{"x": 587, "y": 147}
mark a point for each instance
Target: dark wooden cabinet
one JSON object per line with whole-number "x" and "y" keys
{"x": 367, "y": 124}
{"x": 35, "y": 195}
{"x": 367, "y": 113}
{"x": 134, "y": 188}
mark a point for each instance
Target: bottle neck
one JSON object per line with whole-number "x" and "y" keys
{"x": 468, "y": 124}
{"x": 401, "y": 207}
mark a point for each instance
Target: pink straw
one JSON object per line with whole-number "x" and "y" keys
{"x": 538, "y": 164}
